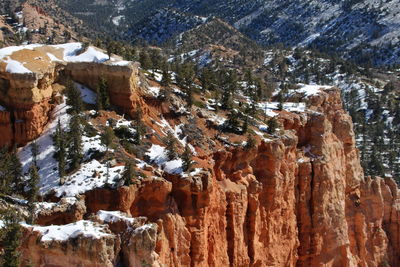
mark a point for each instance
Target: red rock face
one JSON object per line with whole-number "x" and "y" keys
{"x": 300, "y": 200}
{"x": 5, "y": 129}
{"x": 21, "y": 126}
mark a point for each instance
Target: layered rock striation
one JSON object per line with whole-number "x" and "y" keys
{"x": 300, "y": 199}
{"x": 30, "y": 78}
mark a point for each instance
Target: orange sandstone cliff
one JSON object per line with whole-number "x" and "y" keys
{"x": 29, "y": 95}
{"x": 297, "y": 200}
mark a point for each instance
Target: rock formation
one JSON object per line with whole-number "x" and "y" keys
{"x": 297, "y": 199}
{"x": 29, "y": 83}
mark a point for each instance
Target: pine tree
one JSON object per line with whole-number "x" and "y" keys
{"x": 145, "y": 60}
{"x": 110, "y": 48}
{"x": 75, "y": 137}
{"x": 11, "y": 238}
{"x": 5, "y": 177}
{"x": 103, "y": 98}
{"x": 60, "y": 147}
{"x": 129, "y": 173}
{"x": 166, "y": 76}
{"x": 245, "y": 125}
{"x": 189, "y": 96}
{"x": 232, "y": 123}
{"x": 74, "y": 97}
{"x": 107, "y": 138}
{"x": 16, "y": 171}
{"x": 35, "y": 152}
{"x": 272, "y": 125}
{"x": 170, "y": 143}
{"x": 33, "y": 182}
{"x": 250, "y": 143}
{"x": 139, "y": 127}
{"x": 187, "y": 159}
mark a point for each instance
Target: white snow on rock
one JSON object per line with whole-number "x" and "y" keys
{"x": 50, "y": 205}
{"x": 90, "y": 55}
{"x": 80, "y": 181}
{"x": 70, "y": 54}
{"x": 52, "y": 57}
{"x": 48, "y": 165}
{"x": 117, "y": 20}
{"x": 158, "y": 156}
{"x": 88, "y": 96}
{"x": 309, "y": 90}
{"x": 114, "y": 216}
{"x": 14, "y": 66}
{"x": 270, "y": 107}
{"x": 154, "y": 90}
{"x": 82, "y": 228}
{"x": 84, "y": 180}
{"x": 173, "y": 166}
{"x": 145, "y": 227}
{"x": 8, "y": 51}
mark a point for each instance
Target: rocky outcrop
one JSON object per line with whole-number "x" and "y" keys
{"x": 28, "y": 96}
{"x": 78, "y": 251}
{"x": 122, "y": 81}
{"x": 64, "y": 212}
{"x": 297, "y": 200}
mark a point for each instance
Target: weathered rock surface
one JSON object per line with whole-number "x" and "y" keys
{"x": 28, "y": 96}
{"x": 298, "y": 200}
{"x": 77, "y": 251}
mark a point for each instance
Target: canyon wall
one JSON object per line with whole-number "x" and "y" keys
{"x": 300, "y": 199}
{"x": 297, "y": 199}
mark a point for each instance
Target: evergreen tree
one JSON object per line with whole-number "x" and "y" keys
{"x": 208, "y": 79}
{"x": 189, "y": 96}
{"x": 107, "y": 138}
{"x": 129, "y": 173}
{"x": 272, "y": 125}
{"x": 232, "y": 123}
{"x": 110, "y": 48}
{"x": 375, "y": 163}
{"x": 75, "y": 138}
{"x": 60, "y": 147}
{"x": 145, "y": 60}
{"x": 245, "y": 125}
{"x": 139, "y": 127}
{"x": 16, "y": 171}
{"x": 250, "y": 143}
{"x": 166, "y": 76}
{"x": 74, "y": 97}
{"x": 170, "y": 143}
{"x": 33, "y": 182}
{"x": 187, "y": 159}
{"x": 11, "y": 238}
{"x": 103, "y": 98}
{"x": 5, "y": 177}
{"x": 249, "y": 79}
{"x": 35, "y": 152}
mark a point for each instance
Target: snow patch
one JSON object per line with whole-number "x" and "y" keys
{"x": 83, "y": 228}
{"x": 14, "y": 66}
{"x": 88, "y": 96}
{"x": 114, "y": 216}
